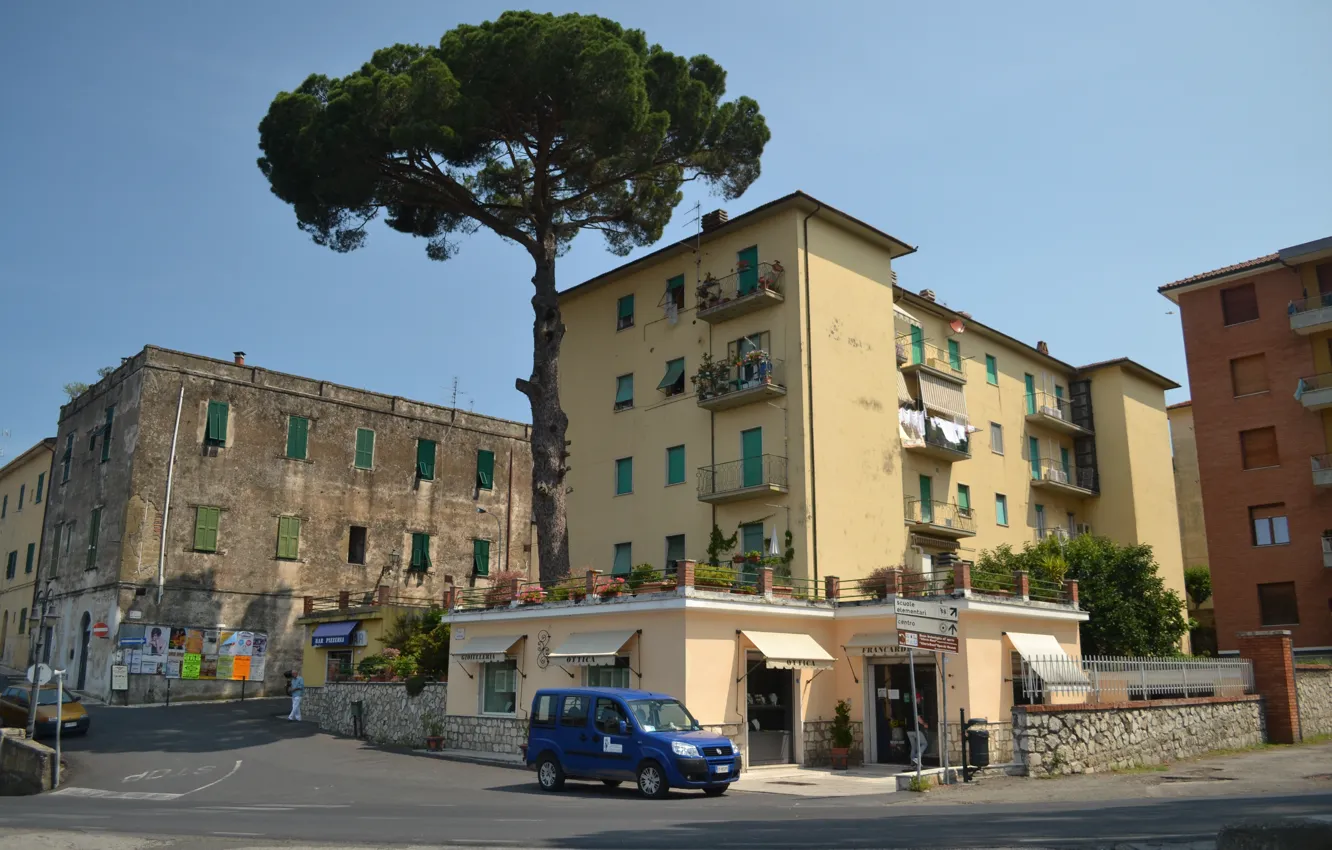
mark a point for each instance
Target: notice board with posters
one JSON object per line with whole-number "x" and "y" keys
{"x": 183, "y": 652}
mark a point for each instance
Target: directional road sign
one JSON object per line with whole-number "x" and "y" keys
{"x": 934, "y": 609}
{"x": 927, "y": 642}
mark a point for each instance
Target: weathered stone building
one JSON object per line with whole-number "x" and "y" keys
{"x": 281, "y": 486}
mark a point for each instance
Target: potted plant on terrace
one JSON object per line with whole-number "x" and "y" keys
{"x": 532, "y": 595}
{"x": 609, "y": 587}
{"x": 841, "y": 735}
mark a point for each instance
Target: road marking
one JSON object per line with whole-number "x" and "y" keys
{"x": 167, "y": 772}
{"x": 241, "y": 834}
{"x": 114, "y": 795}
{"x": 230, "y": 774}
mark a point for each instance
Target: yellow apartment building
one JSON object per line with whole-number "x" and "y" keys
{"x": 23, "y": 489}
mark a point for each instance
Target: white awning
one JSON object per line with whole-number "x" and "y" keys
{"x": 1048, "y": 659}
{"x": 790, "y": 650}
{"x": 873, "y": 643}
{"x": 487, "y": 649}
{"x": 943, "y": 397}
{"x": 903, "y": 315}
{"x": 591, "y": 649}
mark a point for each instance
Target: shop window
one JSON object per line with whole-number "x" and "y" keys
{"x": 610, "y": 676}
{"x": 544, "y": 713}
{"x": 356, "y": 545}
{"x": 1277, "y": 605}
{"x": 1248, "y": 375}
{"x": 1270, "y": 526}
{"x": 1239, "y": 304}
{"x": 338, "y": 667}
{"x": 1258, "y": 447}
{"x": 499, "y": 687}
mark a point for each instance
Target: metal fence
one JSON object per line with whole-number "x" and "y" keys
{"x": 1101, "y": 679}
{"x": 756, "y": 471}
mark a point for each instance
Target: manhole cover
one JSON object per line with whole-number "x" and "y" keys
{"x": 789, "y": 782}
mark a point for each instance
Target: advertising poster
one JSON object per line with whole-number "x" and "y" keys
{"x": 209, "y": 642}
{"x": 257, "y": 665}
{"x": 177, "y": 640}
{"x": 240, "y": 667}
{"x": 194, "y": 639}
{"x": 133, "y": 658}
{"x": 152, "y": 658}
{"x": 260, "y": 644}
{"x": 223, "y": 667}
{"x": 208, "y": 667}
{"x": 173, "y": 663}
{"x": 226, "y": 643}
{"x": 189, "y": 665}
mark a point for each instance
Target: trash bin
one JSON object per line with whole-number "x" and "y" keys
{"x": 978, "y": 746}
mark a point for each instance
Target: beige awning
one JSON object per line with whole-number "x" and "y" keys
{"x": 591, "y": 649}
{"x": 903, "y": 315}
{"x": 873, "y": 643}
{"x": 1048, "y": 659}
{"x": 487, "y": 649}
{"x": 903, "y": 391}
{"x": 790, "y": 650}
{"x": 943, "y": 397}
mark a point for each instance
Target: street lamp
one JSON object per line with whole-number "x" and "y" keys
{"x": 499, "y": 533}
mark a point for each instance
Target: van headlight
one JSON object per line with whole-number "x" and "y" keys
{"x": 680, "y": 748}
{"x": 735, "y": 748}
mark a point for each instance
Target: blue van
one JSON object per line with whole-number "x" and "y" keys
{"x": 617, "y": 734}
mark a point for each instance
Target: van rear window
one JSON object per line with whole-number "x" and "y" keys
{"x": 574, "y": 712}
{"x": 544, "y": 713}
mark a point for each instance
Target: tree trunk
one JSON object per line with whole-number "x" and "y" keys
{"x": 548, "y": 420}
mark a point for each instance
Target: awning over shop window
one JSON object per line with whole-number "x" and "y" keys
{"x": 591, "y": 649}
{"x": 334, "y": 634}
{"x": 873, "y": 643}
{"x": 790, "y": 650}
{"x": 943, "y": 397}
{"x": 484, "y": 650}
{"x": 1048, "y": 659}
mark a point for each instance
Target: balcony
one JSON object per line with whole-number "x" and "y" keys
{"x": 739, "y": 293}
{"x": 1055, "y": 413}
{"x": 1055, "y": 532}
{"x": 935, "y": 443}
{"x": 1311, "y": 315}
{"x": 1315, "y": 391}
{"x": 1322, "y": 470}
{"x": 917, "y": 355}
{"x": 940, "y": 519}
{"x": 1050, "y": 474}
{"x": 750, "y": 478}
{"x": 1327, "y": 550}
{"x": 754, "y": 377}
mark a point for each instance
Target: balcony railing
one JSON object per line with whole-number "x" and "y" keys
{"x": 935, "y": 443}
{"x": 754, "y": 377}
{"x": 919, "y": 354}
{"x": 1055, "y": 532}
{"x": 1315, "y": 391}
{"x": 941, "y": 518}
{"x": 742, "y": 479}
{"x": 1052, "y": 473}
{"x": 1052, "y": 411}
{"x": 742, "y": 291}
{"x": 1312, "y": 314}
{"x": 1322, "y": 470}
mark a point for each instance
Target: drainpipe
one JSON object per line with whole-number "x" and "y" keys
{"x": 809, "y": 392}
{"x": 166, "y": 506}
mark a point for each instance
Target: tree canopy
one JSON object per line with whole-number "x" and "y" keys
{"x": 1132, "y": 611}
{"x": 534, "y": 126}
{"x": 1198, "y": 584}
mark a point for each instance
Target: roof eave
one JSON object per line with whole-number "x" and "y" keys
{"x": 1174, "y": 290}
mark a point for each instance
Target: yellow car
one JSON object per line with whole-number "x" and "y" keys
{"x": 14, "y": 711}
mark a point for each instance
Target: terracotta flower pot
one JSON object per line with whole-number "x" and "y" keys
{"x": 839, "y": 757}
{"x": 434, "y": 743}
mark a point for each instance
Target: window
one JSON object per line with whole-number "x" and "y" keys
{"x": 1064, "y": 463}
{"x": 996, "y": 438}
{"x": 1040, "y": 520}
{"x": 11, "y": 565}
{"x": 1034, "y": 456}
{"x": 41, "y": 480}
{"x": 4, "y": 506}
{"x": 216, "y": 433}
{"x": 205, "y": 529}
{"x": 1239, "y": 304}
{"x": 356, "y": 545}
{"x": 420, "y": 551}
{"x": 623, "y": 562}
{"x": 610, "y": 676}
{"x": 673, "y": 382}
{"x": 624, "y": 476}
{"x": 1000, "y": 509}
{"x": 499, "y": 684}
{"x": 32, "y": 551}
{"x": 425, "y": 460}
{"x": 23, "y": 490}
{"x": 574, "y": 711}
{"x": 485, "y": 470}
{"x": 544, "y": 713}
{"x": 624, "y": 313}
{"x": 289, "y": 538}
{"x": 624, "y": 392}
{"x": 63, "y": 557}
{"x": 675, "y": 465}
{"x": 481, "y": 557}
{"x": 298, "y": 435}
{"x": 106, "y": 433}
{"x": 337, "y": 665}
{"x": 609, "y": 715}
{"x": 747, "y": 268}
{"x": 991, "y": 370}
{"x": 1323, "y": 271}
{"x": 1248, "y": 375}
{"x": 1277, "y": 605}
{"x": 1258, "y": 448}
{"x": 94, "y": 529}
{"x": 964, "y": 499}
{"x": 675, "y": 550}
{"x": 365, "y": 448}
{"x": 1270, "y": 526}
{"x": 64, "y": 459}
{"x": 23, "y": 621}
{"x": 954, "y": 355}
{"x": 1029, "y": 384}
{"x": 675, "y": 291}
{"x": 751, "y": 538}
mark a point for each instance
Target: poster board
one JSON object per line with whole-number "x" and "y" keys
{"x": 187, "y": 652}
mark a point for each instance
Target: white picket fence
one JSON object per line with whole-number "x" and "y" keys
{"x": 1099, "y": 679}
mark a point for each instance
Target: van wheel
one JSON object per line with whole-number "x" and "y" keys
{"x": 549, "y": 774}
{"x": 652, "y": 781}
{"x": 611, "y": 783}
{"x": 714, "y": 790}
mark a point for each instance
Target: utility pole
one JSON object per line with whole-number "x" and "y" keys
{"x": 34, "y": 653}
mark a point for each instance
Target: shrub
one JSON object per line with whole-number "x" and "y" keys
{"x": 415, "y": 684}
{"x": 714, "y": 576}
{"x": 500, "y": 593}
{"x": 404, "y": 666}
{"x": 372, "y": 665}
{"x": 642, "y": 574}
{"x": 879, "y": 582}
{"x": 841, "y": 726}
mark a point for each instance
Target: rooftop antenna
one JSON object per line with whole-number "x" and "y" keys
{"x": 697, "y": 221}
{"x": 4, "y": 435}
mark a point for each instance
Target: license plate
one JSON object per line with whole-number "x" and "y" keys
{"x": 723, "y": 768}
{"x": 71, "y": 725}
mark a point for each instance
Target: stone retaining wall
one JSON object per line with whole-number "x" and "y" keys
{"x": 505, "y": 735}
{"x": 1001, "y": 742}
{"x": 390, "y": 715}
{"x": 818, "y": 743}
{"x": 1056, "y": 739}
{"x": 25, "y": 766}
{"x": 1314, "y": 685}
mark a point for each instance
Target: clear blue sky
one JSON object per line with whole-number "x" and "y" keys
{"x": 1055, "y": 163}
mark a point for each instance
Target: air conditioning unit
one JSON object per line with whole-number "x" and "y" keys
{"x": 360, "y": 638}
{"x": 948, "y": 522}
{"x": 936, "y": 363}
{"x": 1084, "y": 528}
{"x": 1048, "y": 410}
{"x": 1057, "y": 475}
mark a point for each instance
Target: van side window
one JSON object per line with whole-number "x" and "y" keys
{"x": 545, "y": 711}
{"x": 609, "y": 715}
{"x": 574, "y": 712}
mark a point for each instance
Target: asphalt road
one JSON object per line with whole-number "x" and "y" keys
{"x": 237, "y": 770}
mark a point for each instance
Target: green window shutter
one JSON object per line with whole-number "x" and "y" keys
{"x": 926, "y": 499}
{"x": 205, "y": 529}
{"x": 298, "y": 432}
{"x": 747, "y": 268}
{"x": 94, "y": 528}
{"x": 289, "y": 538}
{"x": 751, "y": 457}
{"x": 624, "y": 558}
{"x": 624, "y": 476}
{"x": 420, "y": 551}
{"x": 675, "y": 549}
{"x": 481, "y": 557}
{"x": 41, "y": 480}
{"x": 4, "y": 506}
{"x": 106, "y": 433}
{"x": 674, "y": 285}
{"x": 11, "y": 565}
{"x": 674, "y": 374}
{"x": 917, "y": 344}
{"x": 954, "y": 355}
{"x": 485, "y": 470}
{"x": 425, "y": 460}
{"x": 624, "y": 312}
{"x": 32, "y": 551}
{"x": 991, "y": 369}
{"x": 1059, "y": 392}
{"x": 751, "y": 538}
{"x": 1063, "y": 460}
{"x": 624, "y": 391}
{"x": 1030, "y": 382}
{"x": 1034, "y": 455}
{"x": 964, "y": 497}
{"x": 365, "y": 448}
{"x": 675, "y": 465}
{"x": 23, "y": 621}
{"x": 218, "y": 412}
{"x": 1001, "y": 509}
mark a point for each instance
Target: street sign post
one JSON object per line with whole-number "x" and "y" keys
{"x": 934, "y": 609}
{"x": 39, "y": 674}
{"x": 924, "y": 625}
{"x": 927, "y": 642}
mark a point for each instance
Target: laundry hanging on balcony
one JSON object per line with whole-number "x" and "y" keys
{"x": 944, "y": 397}
{"x": 912, "y": 422}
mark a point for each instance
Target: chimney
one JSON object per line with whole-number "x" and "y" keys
{"x": 1042, "y": 347}
{"x": 964, "y": 314}
{"x": 927, "y": 293}
{"x": 714, "y": 220}
{"x": 240, "y": 357}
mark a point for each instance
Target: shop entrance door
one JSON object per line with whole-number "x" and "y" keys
{"x": 894, "y": 725}
{"x": 770, "y": 712}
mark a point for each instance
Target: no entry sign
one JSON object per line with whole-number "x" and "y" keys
{"x": 101, "y": 630}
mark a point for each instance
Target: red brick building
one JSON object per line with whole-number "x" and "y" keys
{"x": 1258, "y": 340}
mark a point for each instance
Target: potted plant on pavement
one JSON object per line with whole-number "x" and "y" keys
{"x": 434, "y": 729}
{"x": 841, "y": 735}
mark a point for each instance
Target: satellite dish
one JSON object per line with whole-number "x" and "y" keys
{"x": 957, "y": 326}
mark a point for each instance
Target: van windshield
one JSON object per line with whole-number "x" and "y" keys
{"x": 663, "y": 715}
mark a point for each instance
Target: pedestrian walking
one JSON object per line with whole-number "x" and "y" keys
{"x": 295, "y": 687}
